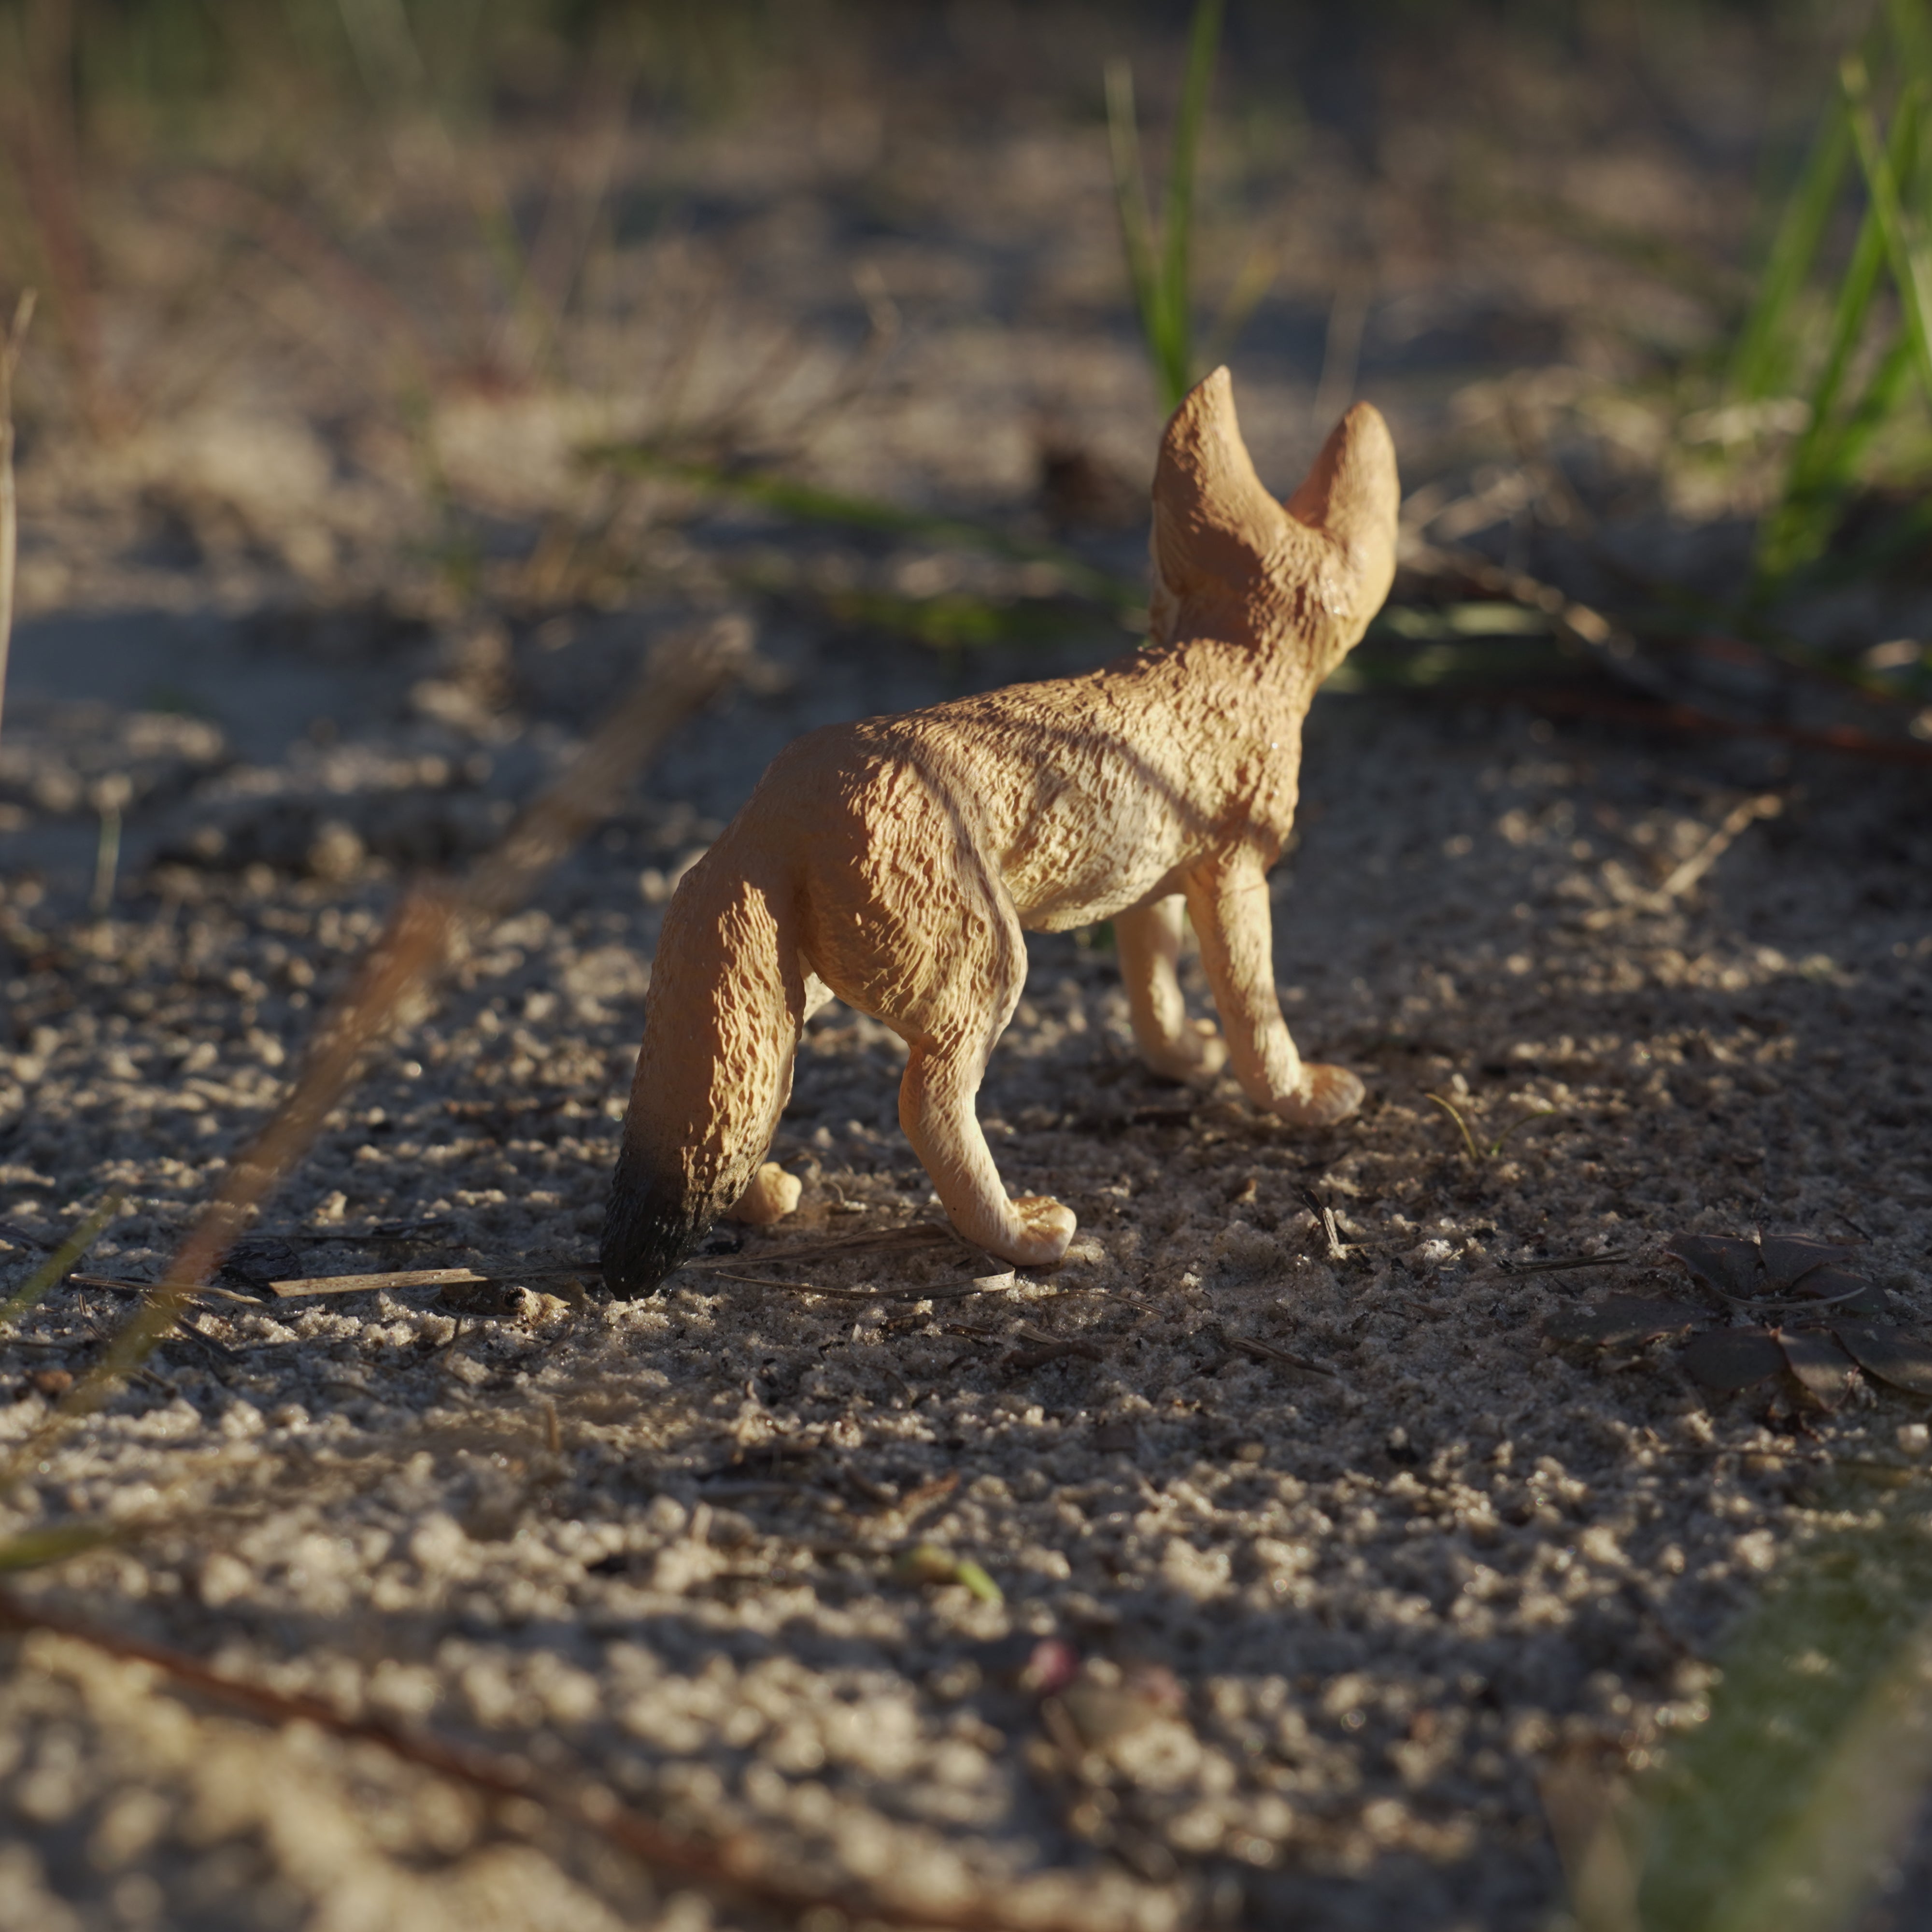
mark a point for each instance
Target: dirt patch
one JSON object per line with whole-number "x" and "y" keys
{"x": 1311, "y": 1550}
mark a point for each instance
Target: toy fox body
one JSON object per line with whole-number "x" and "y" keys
{"x": 896, "y": 861}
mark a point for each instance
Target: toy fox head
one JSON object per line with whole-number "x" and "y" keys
{"x": 1230, "y": 563}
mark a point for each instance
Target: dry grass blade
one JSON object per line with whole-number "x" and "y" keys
{"x": 394, "y": 978}
{"x": 1588, "y": 630}
{"x": 54, "y": 1267}
{"x": 956, "y": 1292}
{"x": 1646, "y": 715}
{"x": 403, "y": 959}
{"x": 1589, "y": 1819}
{"x": 1324, "y": 1219}
{"x": 1267, "y": 1351}
{"x": 315, "y": 262}
{"x": 1768, "y": 806}
{"x": 731, "y": 1866}
{"x": 37, "y": 1548}
{"x": 1521, "y": 1121}
{"x": 1566, "y": 1264}
{"x": 1462, "y": 1125}
{"x": 10, "y": 361}
{"x": 1496, "y": 1147}
{"x": 684, "y": 674}
{"x": 921, "y": 1234}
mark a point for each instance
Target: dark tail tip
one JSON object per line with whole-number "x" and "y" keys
{"x": 649, "y": 1229}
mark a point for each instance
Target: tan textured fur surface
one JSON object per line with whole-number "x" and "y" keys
{"x": 896, "y": 861}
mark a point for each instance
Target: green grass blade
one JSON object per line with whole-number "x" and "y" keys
{"x": 55, "y": 1268}
{"x": 1911, "y": 27}
{"x": 1763, "y": 364}
{"x": 1906, "y": 250}
{"x": 1863, "y": 277}
{"x": 1884, "y": 395}
{"x": 1816, "y": 488}
{"x": 1796, "y": 532}
{"x": 1780, "y": 1809}
{"x": 1174, "y": 352}
{"x": 1130, "y": 202}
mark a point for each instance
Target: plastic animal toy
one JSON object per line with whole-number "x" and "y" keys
{"x": 896, "y": 861}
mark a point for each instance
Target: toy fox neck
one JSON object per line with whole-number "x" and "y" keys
{"x": 1273, "y": 678}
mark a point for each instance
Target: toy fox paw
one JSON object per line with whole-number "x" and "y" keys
{"x": 1049, "y": 1229}
{"x": 1328, "y": 1094}
{"x": 772, "y": 1196}
{"x": 1194, "y": 1059}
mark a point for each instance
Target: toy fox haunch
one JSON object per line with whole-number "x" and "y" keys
{"x": 896, "y": 861}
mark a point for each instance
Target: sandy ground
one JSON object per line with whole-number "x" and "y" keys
{"x": 1311, "y": 1552}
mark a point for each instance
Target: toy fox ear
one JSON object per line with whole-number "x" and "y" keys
{"x": 1351, "y": 492}
{"x": 1218, "y": 533}
{"x": 1215, "y": 527}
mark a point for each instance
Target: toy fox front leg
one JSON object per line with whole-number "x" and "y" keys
{"x": 1175, "y": 1046}
{"x": 1229, "y": 901}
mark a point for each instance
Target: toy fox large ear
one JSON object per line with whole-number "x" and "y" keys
{"x": 1219, "y": 536}
{"x": 1352, "y": 493}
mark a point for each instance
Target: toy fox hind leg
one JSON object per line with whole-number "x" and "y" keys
{"x": 951, "y": 1027}
{"x": 1175, "y": 1046}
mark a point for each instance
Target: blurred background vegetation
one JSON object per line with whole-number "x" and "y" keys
{"x": 1616, "y": 267}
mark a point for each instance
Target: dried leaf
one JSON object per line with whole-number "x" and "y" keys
{"x": 1890, "y": 1353}
{"x": 1731, "y": 1267}
{"x": 1618, "y": 1319}
{"x": 1853, "y": 1294}
{"x": 1789, "y": 1258}
{"x": 1727, "y": 1359}
{"x": 1820, "y": 1365}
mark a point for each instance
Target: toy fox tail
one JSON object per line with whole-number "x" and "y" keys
{"x": 720, "y": 1026}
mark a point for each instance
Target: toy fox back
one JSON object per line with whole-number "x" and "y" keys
{"x": 896, "y": 861}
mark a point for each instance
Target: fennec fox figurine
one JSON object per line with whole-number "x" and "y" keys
{"x": 896, "y": 861}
